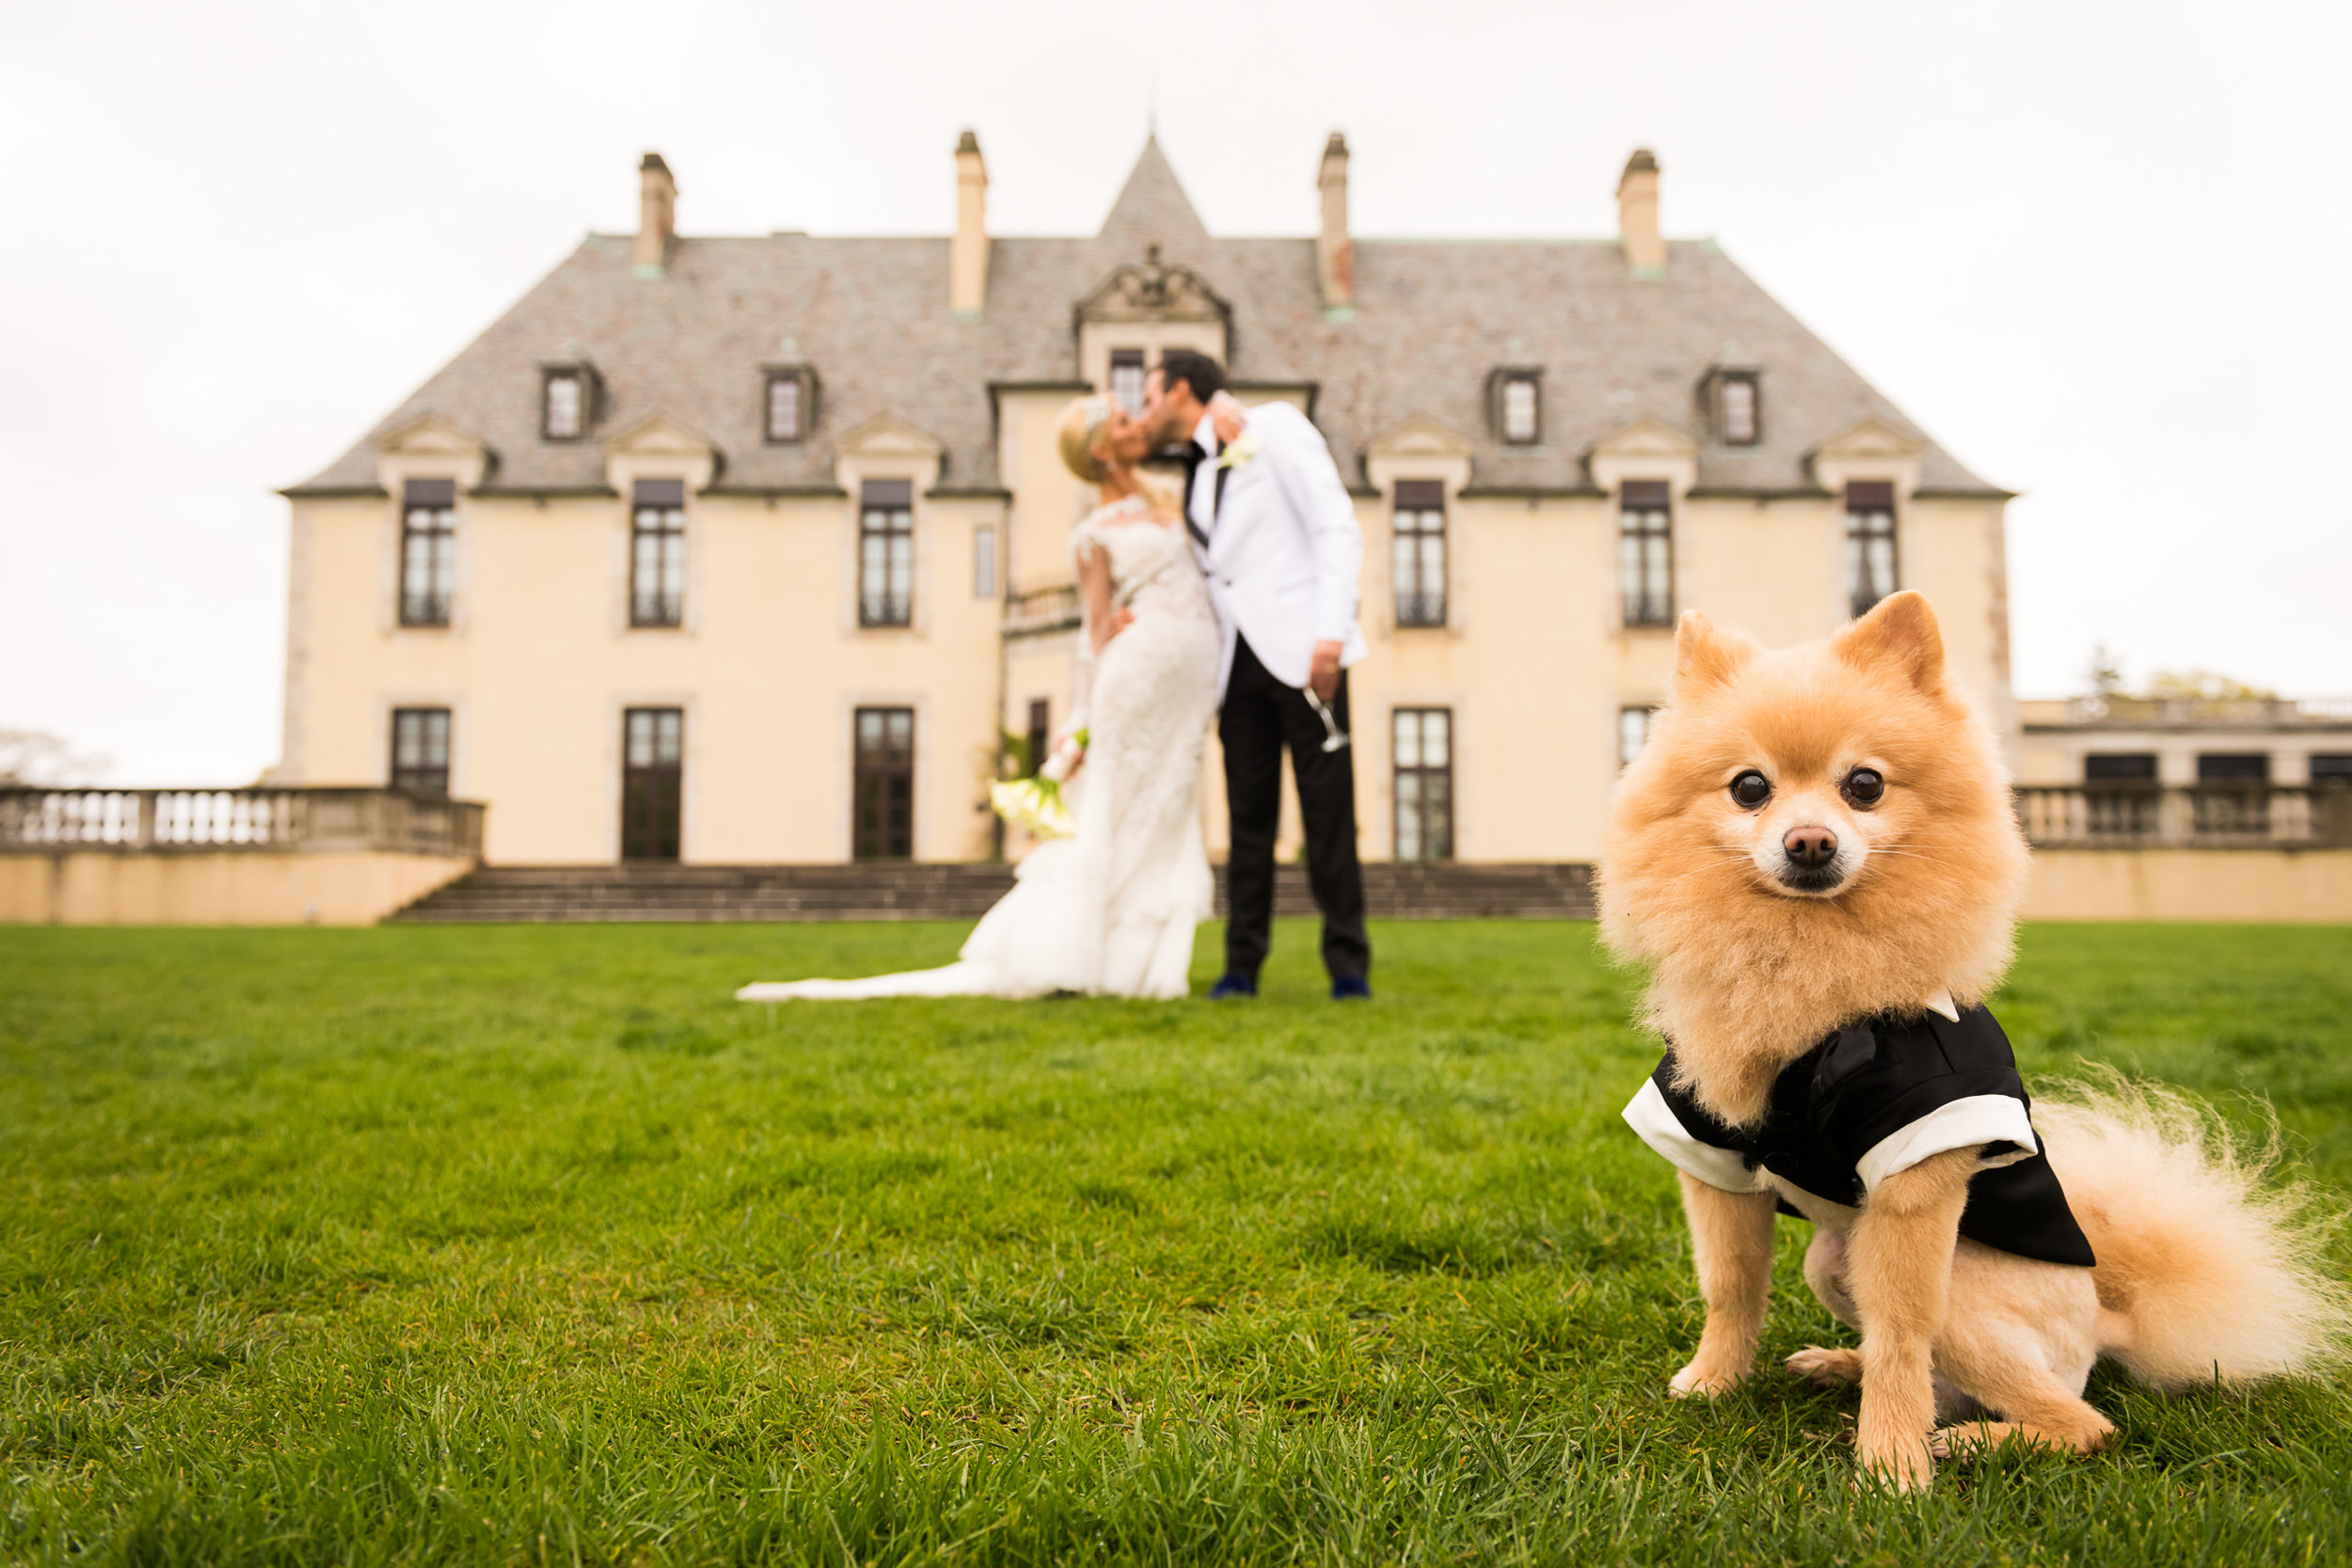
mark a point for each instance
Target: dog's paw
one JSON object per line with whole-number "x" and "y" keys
{"x": 1902, "y": 1468}
{"x": 1697, "y": 1381}
{"x": 1825, "y": 1367}
{"x": 1976, "y": 1439}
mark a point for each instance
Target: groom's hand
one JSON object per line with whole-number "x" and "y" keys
{"x": 1121, "y": 620}
{"x": 1324, "y": 673}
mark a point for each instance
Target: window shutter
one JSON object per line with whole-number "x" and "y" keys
{"x": 662, "y": 492}
{"x": 1647, "y": 495}
{"x": 432, "y": 492}
{"x": 882, "y": 494}
{"x": 1420, "y": 495}
{"x": 1870, "y": 496}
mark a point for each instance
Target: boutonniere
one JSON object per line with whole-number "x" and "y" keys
{"x": 1239, "y": 451}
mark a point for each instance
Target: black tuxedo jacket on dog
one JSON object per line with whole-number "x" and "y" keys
{"x": 1876, "y": 1098}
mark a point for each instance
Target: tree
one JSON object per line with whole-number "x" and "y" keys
{"x": 36, "y": 758}
{"x": 2200, "y": 684}
{"x": 2106, "y": 671}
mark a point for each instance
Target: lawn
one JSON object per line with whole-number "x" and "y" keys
{"x": 438, "y": 1244}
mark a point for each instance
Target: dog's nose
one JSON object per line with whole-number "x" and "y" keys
{"x": 1810, "y": 848}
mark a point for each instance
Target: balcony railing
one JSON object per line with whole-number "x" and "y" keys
{"x": 1042, "y": 610}
{"x": 2200, "y": 713}
{"x": 2204, "y": 816}
{"x": 34, "y": 820}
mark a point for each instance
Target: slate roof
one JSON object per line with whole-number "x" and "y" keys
{"x": 1433, "y": 319}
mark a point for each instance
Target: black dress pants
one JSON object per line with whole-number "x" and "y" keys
{"x": 1260, "y": 718}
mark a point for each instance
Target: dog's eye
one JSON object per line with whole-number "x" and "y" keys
{"x": 1751, "y": 789}
{"x": 1863, "y": 788}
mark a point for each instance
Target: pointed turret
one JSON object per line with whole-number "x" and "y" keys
{"x": 1153, "y": 209}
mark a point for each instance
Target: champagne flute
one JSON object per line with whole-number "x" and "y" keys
{"x": 1334, "y": 738}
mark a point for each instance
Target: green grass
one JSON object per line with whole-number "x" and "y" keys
{"x": 445, "y": 1244}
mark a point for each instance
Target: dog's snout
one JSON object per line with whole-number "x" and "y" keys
{"x": 1810, "y": 848}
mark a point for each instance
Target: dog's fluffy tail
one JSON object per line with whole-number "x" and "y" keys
{"x": 2207, "y": 1268}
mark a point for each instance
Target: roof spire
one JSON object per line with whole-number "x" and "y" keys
{"x": 1153, "y": 207}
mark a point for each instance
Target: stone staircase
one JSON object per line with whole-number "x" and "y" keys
{"x": 898, "y": 891}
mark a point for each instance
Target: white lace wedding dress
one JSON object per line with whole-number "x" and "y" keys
{"x": 1111, "y": 910}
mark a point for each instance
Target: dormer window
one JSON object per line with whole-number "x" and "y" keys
{"x": 1870, "y": 558}
{"x": 1127, "y": 378}
{"x": 1645, "y": 552}
{"x": 428, "y": 551}
{"x": 791, "y": 406}
{"x": 567, "y": 399}
{"x": 657, "y": 554}
{"x": 1519, "y": 408}
{"x": 1739, "y": 410}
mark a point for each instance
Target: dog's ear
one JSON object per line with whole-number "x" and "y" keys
{"x": 1900, "y": 631}
{"x": 1706, "y": 658}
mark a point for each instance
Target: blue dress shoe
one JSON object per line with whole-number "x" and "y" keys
{"x": 1229, "y": 986}
{"x": 1351, "y": 987}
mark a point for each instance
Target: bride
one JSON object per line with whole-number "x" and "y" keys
{"x": 1110, "y": 910}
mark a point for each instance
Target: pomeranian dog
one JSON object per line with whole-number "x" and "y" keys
{"x": 1817, "y": 857}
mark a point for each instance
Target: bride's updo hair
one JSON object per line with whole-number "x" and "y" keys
{"x": 1083, "y": 425}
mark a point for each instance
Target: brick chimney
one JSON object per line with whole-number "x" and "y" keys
{"x": 657, "y": 217}
{"x": 967, "y": 253}
{"x": 1637, "y": 213}
{"x": 1335, "y": 253}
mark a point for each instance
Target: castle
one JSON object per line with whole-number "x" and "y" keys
{"x": 753, "y": 550}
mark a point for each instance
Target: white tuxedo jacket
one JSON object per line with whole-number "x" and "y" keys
{"x": 1284, "y": 550}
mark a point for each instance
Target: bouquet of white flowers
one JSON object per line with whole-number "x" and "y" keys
{"x": 1035, "y": 805}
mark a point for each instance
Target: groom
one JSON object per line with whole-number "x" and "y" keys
{"x": 1274, "y": 530}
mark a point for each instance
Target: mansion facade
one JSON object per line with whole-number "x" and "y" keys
{"x": 755, "y": 550}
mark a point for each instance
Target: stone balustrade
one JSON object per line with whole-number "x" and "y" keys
{"x": 1042, "y": 610}
{"x": 48, "y": 821}
{"x": 2201, "y": 816}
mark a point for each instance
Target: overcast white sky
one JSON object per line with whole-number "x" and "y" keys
{"x": 2100, "y": 251}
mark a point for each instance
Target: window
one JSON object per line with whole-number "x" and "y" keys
{"x": 1419, "y": 548}
{"x": 1040, "y": 732}
{"x": 1870, "y": 545}
{"x": 1127, "y": 378}
{"x": 2119, "y": 768}
{"x": 885, "y": 553}
{"x": 788, "y": 405}
{"x": 657, "y": 554}
{"x": 2120, "y": 794}
{"x": 564, "y": 404}
{"x": 984, "y": 562}
{"x": 1645, "y": 557}
{"x": 2233, "y": 767}
{"x": 1738, "y": 415}
{"x": 2331, "y": 769}
{"x": 421, "y": 749}
{"x": 1521, "y": 414}
{"x": 2232, "y": 794}
{"x": 1632, "y": 733}
{"x": 785, "y": 397}
{"x": 428, "y": 551}
{"x": 882, "y": 824}
{"x": 653, "y": 766}
{"x": 1424, "y": 784}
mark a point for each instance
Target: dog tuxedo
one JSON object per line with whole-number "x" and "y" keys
{"x": 1874, "y": 1098}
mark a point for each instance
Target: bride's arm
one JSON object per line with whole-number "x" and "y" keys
{"x": 1098, "y": 625}
{"x": 1094, "y": 596}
